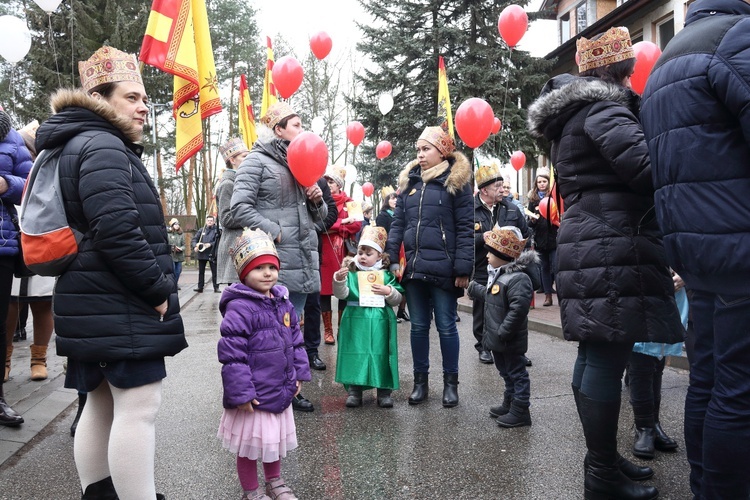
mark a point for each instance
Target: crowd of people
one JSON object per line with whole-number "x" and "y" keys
{"x": 628, "y": 255}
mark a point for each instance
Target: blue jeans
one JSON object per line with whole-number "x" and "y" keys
{"x": 177, "y": 271}
{"x": 298, "y": 301}
{"x": 512, "y": 367}
{"x": 717, "y": 406}
{"x": 599, "y": 367}
{"x": 422, "y": 300}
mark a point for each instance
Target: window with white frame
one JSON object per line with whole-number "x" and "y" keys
{"x": 565, "y": 28}
{"x": 581, "y": 18}
{"x": 665, "y": 32}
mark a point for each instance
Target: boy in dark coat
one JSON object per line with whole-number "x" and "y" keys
{"x": 513, "y": 277}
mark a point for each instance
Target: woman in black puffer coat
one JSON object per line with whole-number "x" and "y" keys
{"x": 613, "y": 282}
{"x": 116, "y": 308}
{"x": 434, "y": 219}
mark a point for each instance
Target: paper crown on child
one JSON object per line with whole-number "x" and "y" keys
{"x": 232, "y": 147}
{"x": 486, "y": 175}
{"x": 613, "y": 46}
{"x": 276, "y": 112}
{"x": 384, "y": 192}
{"x": 337, "y": 175}
{"x": 374, "y": 237}
{"x": 506, "y": 242}
{"x": 252, "y": 249}
{"x": 108, "y": 65}
{"x": 439, "y": 138}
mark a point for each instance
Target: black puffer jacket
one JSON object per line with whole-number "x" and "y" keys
{"x": 435, "y": 222}
{"x": 104, "y": 302}
{"x": 506, "y": 304}
{"x": 613, "y": 281}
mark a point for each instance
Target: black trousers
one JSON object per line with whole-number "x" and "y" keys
{"x": 202, "y": 273}
{"x": 311, "y": 331}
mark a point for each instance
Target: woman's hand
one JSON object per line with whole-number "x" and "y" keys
{"x": 3, "y": 185}
{"x": 383, "y": 290}
{"x": 314, "y": 194}
{"x": 278, "y": 238}
{"x": 462, "y": 281}
{"x": 162, "y": 308}
{"x": 340, "y": 275}
{"x": 348, "y": 220}
{"x": 678, "y": 283}
{"x": 299, "y": 388}
{"x": 249, "y": 406}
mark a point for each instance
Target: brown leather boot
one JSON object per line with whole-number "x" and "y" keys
{"x": 8, "y": 355}
{"x": 547, "y": 300}
{"x": 328, "y": 328}
{"x": 38, "y": 362}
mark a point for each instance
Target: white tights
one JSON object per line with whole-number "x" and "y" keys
{"x": 116, "y": 437}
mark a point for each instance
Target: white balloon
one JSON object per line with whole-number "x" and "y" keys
{"x": 16, "y": 40}
{"x": 385, "y": 103}
{"x": 48, "y": 6}
{"x": 351, "y": 172}
{"x": 317, "y": 125}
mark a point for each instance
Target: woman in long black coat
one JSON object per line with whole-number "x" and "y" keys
{"x": 613, "y": 282}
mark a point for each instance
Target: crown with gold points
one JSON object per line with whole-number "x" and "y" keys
{"x": 613, "y": 46}
{"x": 108, "y": 65}
{"x": 337, "y": 175}
{"x": 374, "y": 237}
{"x": 276, "y": 112}
{"x": 506, "y": 241}
{"x": 252, "y": 249}
{"x": 439, "y": 138}
{"x": 384, "y": 192}
{"x": 232, "y": 147}
{"x": 486, "y": 175}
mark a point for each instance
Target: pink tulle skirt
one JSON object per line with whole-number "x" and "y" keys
{"x": 258, "y": 435}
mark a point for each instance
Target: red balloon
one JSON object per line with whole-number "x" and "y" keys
{"x": 548, "y": 210}
{"x": 578, "y": 59}
{"x": 512, "y": 24}
{"x": 496, "y": 125}
{"x": 368, "y": 188}
{"x": 355, "y": 132}
{"x": 287, "y": 76}
{"x": 518, "y": 160}
{"x": 646, "y": 54}
{"x": 474, "y": 121}
{"x": 307, "y": 156}
{"x": 321, "y": 44}
{"x": 383, "y": 149}
{"x": 553, "y": 195}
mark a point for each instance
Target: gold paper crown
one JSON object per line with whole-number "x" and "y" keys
{"x": 250, "y": 246}
{"x": 486, "y": 175}
{"x": 374, "y": 237}
{"x": 440, "y": 139}
{"x": 276, "y": 112}
{"x": 337, "y": 175}
{"x": 232, "y": 147}
{"x": 108, "y": 65}
{"x": 506, "y": 240}
{"x": 384, "y": 192}
{"x": 613, "y": 46}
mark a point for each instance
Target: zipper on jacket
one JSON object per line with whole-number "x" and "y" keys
{"x": 419, "y": 223}
{"x": 445, "y": 241}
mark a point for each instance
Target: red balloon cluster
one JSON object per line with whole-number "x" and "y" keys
{"x": 321, "y": 44}
{"x": 368, "y": 188}
{"x": 518, "y": 160}
{"x": 383, "y": 149}
{"x": 512, "y": 24}
{"x": 474, "y": 121}
{"x": 307, "y": 156}
{"x": 646, "y": 54}
{"x": 355, "y": 132}
{"x": 287, "y": 76}
{"x": 496, "y": 125}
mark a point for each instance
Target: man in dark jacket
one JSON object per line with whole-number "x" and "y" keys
{"x": 699, "y": 156}
{"x": 204, "y": 246}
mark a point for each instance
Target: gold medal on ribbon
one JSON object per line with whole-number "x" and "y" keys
{"x": 495, "y": 289}
{"x": 287, "y": 320}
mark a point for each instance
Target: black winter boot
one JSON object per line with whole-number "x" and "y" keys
{"x": 603, "y": 478}
{"x": 419, "y": 393}
{"x": 100, "y": 490}
{"x": 355, "y": 397}
{"x": 631, "y": 470}
{"x": 384, "y": 398}
{"x": 502, "y": 408}
{"x": 450, "y": 390}
{"x": 82, "y": 396}
{"x": 518, "y": 416}
{"x": 645, "y": 435}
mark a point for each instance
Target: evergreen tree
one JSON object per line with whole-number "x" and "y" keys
{"x": 404, "y": 44}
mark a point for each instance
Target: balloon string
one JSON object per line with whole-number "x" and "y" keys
{"x": 54, "y": 51}
{"x": 505, "y": 98}
{"x": 13, "y": 87}
{"x": 328, "y": 235}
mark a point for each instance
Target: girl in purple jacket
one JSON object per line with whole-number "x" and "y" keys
{"x": 264, "y": 362}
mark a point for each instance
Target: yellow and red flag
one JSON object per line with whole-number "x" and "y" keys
{"x": 444, "y": 99}
{"x": 178, "y": 41}
{"x": 269, "y": 90}
{"x": 247, "y": 118}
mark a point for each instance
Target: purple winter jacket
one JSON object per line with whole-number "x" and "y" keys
{"x": 15, "y": 163}
{"x": 261, "y": 348}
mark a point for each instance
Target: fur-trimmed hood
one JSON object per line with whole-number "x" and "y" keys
{"x": 458, "y": 176}
{"x": 523, "y": 262}
{"x": 565, "y": 94}
{"x": 74, "y": 111}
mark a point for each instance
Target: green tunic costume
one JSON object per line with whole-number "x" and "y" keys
{"x": 368, "y": 347}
